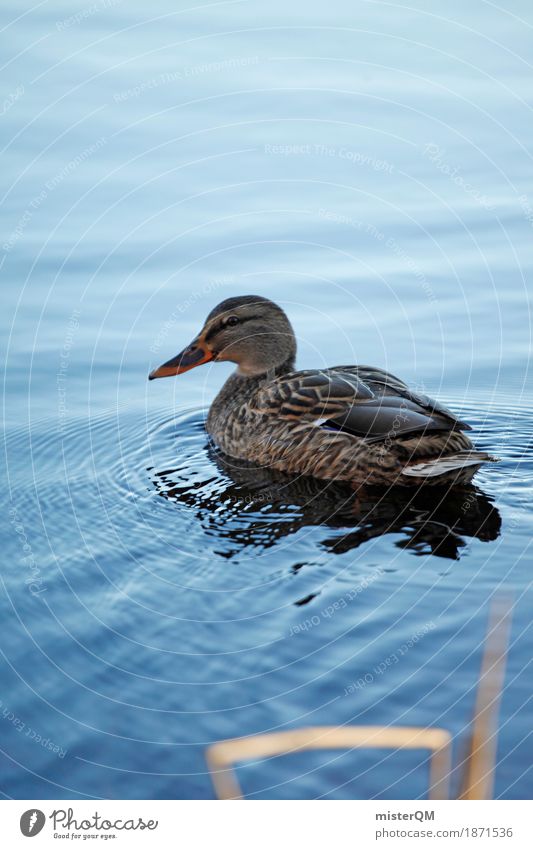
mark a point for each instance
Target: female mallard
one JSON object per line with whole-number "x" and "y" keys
{"x": 348, "y": 423}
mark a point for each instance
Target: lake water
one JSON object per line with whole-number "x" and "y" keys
{"x": 367, "y": 166}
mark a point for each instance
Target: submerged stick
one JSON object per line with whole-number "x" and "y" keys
{"x": 478, "y": 777}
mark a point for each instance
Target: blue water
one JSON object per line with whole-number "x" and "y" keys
{"x": 366, "y": 165}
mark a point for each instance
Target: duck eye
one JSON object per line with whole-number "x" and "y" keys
{"x": 232, "y": 321}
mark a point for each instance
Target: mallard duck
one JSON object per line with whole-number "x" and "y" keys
{"x": 358, "y": 424}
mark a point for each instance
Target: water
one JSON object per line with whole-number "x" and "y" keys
{"x": 368, "y": 167}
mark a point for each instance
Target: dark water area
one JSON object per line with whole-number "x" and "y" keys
{"x": 368, "y": 167}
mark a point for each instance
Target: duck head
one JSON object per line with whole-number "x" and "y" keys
{"x": 250, "y": 331}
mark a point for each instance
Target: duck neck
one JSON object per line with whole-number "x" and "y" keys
{"x": 257, "y": 378}
{"x": 239, "y": 387}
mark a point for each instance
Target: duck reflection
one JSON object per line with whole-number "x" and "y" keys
{"x": 251, "y": 506}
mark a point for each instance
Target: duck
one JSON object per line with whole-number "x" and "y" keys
{"x": 356, "y": 424}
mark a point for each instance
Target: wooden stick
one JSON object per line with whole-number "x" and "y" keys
{"x": 221, "y": 756}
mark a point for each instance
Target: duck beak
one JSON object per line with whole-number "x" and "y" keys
{"x": 194, "y": 355}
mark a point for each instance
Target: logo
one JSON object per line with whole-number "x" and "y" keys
{"x": 32, "y": 822}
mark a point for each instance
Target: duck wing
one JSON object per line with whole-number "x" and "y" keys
{"x": 361, "y": 400}
{"x": 308, "y": 396}
{"x": 384, "y": 383}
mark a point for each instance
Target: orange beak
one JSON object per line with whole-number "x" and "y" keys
{"x": 194, "y": 355}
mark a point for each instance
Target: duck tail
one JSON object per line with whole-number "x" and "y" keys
{"x": 448, "y": 464}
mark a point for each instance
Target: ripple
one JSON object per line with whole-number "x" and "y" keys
{"x": 159, "y": 478}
